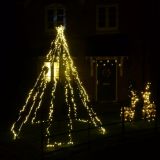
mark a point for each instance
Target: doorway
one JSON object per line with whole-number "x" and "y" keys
{"x": 106, "y": 80}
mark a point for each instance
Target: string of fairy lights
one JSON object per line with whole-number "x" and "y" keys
{"x": 32, "y": 96}
{"x": 129, "y": 112}
{"x": 148, "y": 109}
{"x": 59, "y": 55}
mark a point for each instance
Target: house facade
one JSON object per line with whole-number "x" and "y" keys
{"x": 107, "y": 40}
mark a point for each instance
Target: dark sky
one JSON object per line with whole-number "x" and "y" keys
{"x": 8, "y": 55}
{"x": 8, "y": 34}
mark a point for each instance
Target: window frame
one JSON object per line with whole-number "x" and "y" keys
{"x": 107, "y": 27}
{"x": 55, "y": 8}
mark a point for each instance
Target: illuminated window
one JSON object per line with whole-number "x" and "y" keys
{"x": 48, "y": 74}
{"x": 107, "y": 17}
{"x": 55, "y": 71}
{"x": 54, "y": 16}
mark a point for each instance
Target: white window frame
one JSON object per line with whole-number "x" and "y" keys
{"x": 107, "y": 27}
{"x": 55, "y": 7}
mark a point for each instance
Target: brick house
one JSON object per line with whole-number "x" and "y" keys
{"x": 107, "y": 39}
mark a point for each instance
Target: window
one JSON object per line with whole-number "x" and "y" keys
{"x": 107, "y": 17}
{"x": 54, "y": 16}
{"x": 50, "y": 72}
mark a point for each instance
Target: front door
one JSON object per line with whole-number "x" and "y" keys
{"x": 106, "y": 80}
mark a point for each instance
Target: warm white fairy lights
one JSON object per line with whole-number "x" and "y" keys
{"x": 32, "y": 96}
{"x": 128, "y": 113}
{"x": 149, "y": 108}
{"x": 57, "y": 57}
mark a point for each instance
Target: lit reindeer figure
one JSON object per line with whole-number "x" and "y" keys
{"x": 149, "y": 108}
{"x": 129, "y": 112}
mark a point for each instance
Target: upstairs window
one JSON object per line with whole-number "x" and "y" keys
{"x": 107, "y": 17}
{"x": 54, "y": 16}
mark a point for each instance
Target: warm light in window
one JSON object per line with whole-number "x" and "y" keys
{"x": 55, "y": 71}
{"x": 48, "y": 74}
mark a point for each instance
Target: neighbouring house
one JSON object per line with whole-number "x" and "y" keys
{"x": 108, "y": 39}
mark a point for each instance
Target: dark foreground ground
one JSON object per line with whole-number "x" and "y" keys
{"x": 143, "y": 145}
{"x": 137, "y": 144}
{"x": 133, "y": 145}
